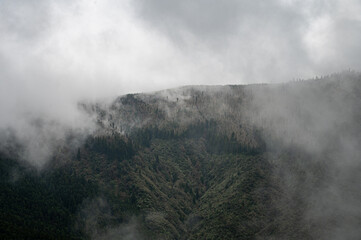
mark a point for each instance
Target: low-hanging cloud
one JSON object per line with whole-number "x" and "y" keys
{"x": 311, "y": 129}
{"x": 264, "y": 41}
{"x": 54, "y": 54}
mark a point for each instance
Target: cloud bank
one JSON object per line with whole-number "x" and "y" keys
{"x": 54, "y": 54}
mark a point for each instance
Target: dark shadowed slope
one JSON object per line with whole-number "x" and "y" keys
{"x": 224, "y": 162}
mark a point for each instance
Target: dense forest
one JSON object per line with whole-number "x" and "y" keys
{"x": 200, "y": 163}
{"x": 151, "y": 172}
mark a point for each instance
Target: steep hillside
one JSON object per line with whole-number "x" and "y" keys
{"x": 203, "y": 162}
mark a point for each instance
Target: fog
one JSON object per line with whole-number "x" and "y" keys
{"x": 55, "y": 54}
{"x": 312, "y": 131}
{"x": 96, "y": 210}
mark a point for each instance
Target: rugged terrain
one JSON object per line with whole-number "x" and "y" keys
{"x": 266, "y": 161}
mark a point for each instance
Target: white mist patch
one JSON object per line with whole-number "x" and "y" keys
{"x": 307, "y": 114}
{"x": 312, "y": 127}
{"x": 38, "y": 138}
{"x": 56, "y": 54}
{"x": 95, "y": 212}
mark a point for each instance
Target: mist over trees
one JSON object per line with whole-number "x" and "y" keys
{"x": 189, "y": 119}
{"x": 241, "y": 161}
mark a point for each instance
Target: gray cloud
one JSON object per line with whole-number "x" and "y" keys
{"x": 263, "y": 41}
{"x": 201, "y": 18}
{"x": 318, "y": 122}
{"x": 54, "y": 54}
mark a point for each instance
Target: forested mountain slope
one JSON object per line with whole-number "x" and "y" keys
{"x": 261, "y": 161}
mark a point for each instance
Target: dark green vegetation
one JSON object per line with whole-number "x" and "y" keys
{"x": 175, "y": 185}
{"x": 234, "y": 162}
{"x": 40, "y": 205}
{"x": 177, "y": 182}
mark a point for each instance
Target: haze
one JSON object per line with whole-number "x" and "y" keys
{"x": 55, "y": 54}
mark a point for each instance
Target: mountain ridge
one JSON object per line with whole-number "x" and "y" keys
{"x": 237, "y": 162}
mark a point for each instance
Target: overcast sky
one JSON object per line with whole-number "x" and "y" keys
{"x": 56, "y": 53}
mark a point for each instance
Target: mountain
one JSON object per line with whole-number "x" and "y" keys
{"x": 265, "y": 161}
